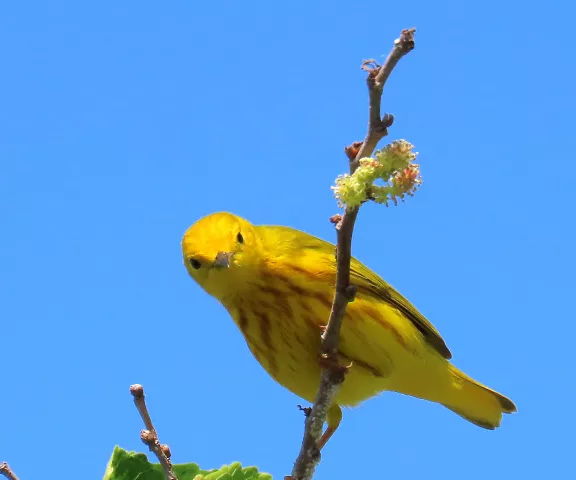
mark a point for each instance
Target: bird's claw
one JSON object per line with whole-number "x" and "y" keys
{"x": 331, "y": 362}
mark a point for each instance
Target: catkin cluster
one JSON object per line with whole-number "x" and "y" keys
{"x": 393, "y": 165}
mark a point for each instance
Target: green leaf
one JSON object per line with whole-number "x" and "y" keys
{"x": 125, "y": 465}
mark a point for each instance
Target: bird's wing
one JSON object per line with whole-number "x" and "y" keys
{"x": 291, "y": 241}
{"x": 370, "y": 283}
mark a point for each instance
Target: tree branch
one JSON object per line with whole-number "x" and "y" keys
{"x": 332, "y": 378}
{"x": 149, "y": 436}
{"x": 5, "y": 470}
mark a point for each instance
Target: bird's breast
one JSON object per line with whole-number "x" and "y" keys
{"x": 282, "y": 322}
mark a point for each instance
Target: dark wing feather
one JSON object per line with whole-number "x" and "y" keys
{"x": 370, "y": 283}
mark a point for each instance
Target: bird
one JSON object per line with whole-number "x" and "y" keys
{"x": 277, "y": 283}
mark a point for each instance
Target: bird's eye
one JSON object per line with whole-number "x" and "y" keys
{"x": 240, "y": 238}
{"x": 195, "y": 263}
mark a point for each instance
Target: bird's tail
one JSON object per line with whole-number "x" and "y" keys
{"x": 477, "y": 403}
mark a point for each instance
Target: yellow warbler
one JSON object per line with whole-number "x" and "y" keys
{"x": 277, "y": 283}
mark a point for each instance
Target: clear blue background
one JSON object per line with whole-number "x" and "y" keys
{"x": 124, "y": 122}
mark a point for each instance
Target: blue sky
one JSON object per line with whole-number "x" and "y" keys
{"x": 124, "y": 122}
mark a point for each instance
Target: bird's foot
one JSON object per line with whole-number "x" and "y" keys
{"x": 332, "y": 363}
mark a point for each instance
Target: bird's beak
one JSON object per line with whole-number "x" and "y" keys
{"x": 222, "y": 260}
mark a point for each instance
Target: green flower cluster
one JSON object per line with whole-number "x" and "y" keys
{"x": 393, "y": 165}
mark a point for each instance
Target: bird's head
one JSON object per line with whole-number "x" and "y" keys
{"x": 221, "y": 252}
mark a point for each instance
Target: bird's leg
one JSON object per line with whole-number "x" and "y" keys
{"x": 334, "y": 413}
{"x": 333, "y": 419}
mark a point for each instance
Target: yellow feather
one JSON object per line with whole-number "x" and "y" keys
{"x": 278, "y": 287}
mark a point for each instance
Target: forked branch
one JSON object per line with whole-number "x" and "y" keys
{"x": 332, "y": 378}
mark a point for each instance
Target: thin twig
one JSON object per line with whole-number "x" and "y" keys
{"x": 331, "y": 378}
{"x": 149, "y": 436}
{"x": 5, "y": 470}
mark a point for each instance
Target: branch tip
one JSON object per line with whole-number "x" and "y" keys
{"x": 352, "y": 150}
{"x": 137, "y": 390}
{"x": 406, "y": 40}
{"x": 335, "y": 219}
